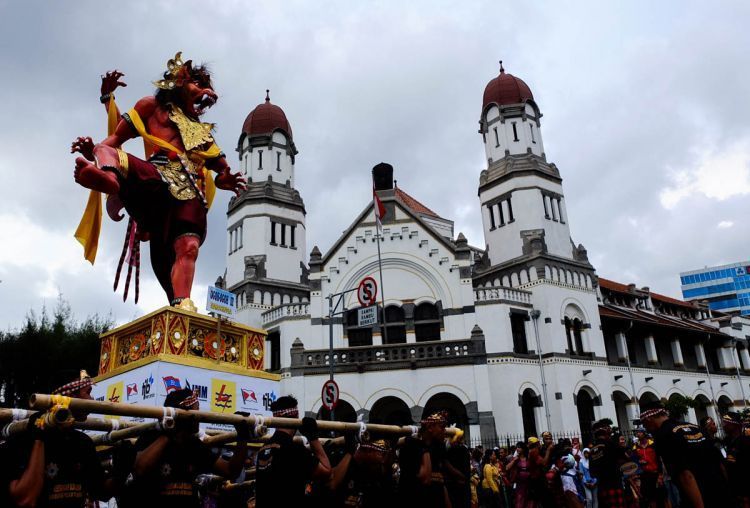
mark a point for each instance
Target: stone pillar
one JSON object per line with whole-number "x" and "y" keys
{"x": 700, "y": 354}
{"x": 622, "y": 346}
{"x": 725, "y": 358}
{"x": 677, "y": 353}
{"x": 561, "y": 209}
{"x": 651, "y": 355}
{"x": 745, "y": 357}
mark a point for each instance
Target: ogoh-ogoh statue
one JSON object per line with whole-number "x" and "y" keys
{"x": 167, "y": 195}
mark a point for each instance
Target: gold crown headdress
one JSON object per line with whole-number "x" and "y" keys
{"x": 174, "y": 66}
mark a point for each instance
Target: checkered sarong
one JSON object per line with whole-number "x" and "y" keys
{"x": 612, "y": 498}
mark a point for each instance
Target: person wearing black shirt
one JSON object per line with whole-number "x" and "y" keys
{"x": 283, "y": 467}
{"x": 691, "y": 461}
{"x": 421, "y": 481}
{"x": 364, "y": 477}
{"x": 605, "y": 459}
{"x": 54, "y": 467}
{"x": 458, "y": 472}
{"x": 737, "y": 462}
{"x": 168, "y": 461}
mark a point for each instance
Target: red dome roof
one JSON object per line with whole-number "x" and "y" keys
{"x": 265, "y": 119}
{"x": 506, "y": 89}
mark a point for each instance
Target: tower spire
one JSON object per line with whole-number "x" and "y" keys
{"x": 502, "y": 70}
{"x": 268, "y": 98}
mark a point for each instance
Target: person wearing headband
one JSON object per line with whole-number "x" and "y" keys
{"x": 284, "y": 467}
{"x": 605, "y": 460}
{"x": 421, "y": 461}
{"x": 694, "y": 465}
{"x": 169, "y": 459}
{"x": 737, "y": 461}
{"x": 54, "y": 465}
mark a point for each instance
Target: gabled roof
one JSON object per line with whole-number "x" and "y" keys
{"x": 412, "y": 203}
{"x": 407, "y": 209}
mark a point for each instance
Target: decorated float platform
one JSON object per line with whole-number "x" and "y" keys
{"x": 171, "y": 348}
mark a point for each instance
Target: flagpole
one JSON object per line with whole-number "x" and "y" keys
{"x": 378, "y": 228}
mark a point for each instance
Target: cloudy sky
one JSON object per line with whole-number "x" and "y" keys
{"x": 645, "y": 113}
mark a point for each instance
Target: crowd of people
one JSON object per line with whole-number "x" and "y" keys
{"x": 666, "y": 464}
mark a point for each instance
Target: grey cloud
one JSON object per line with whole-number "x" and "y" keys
{"x": 627, "y": 92}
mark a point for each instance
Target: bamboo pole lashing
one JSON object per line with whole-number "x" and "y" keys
{"x": 14, "y": 414}
{"x": 59, "y": 418}
{"x": 43, "y": 401}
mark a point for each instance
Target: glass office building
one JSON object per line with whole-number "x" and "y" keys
{"x": 726, "y": 287}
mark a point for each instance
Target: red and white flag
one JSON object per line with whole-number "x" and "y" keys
{"x": 377, "y": 205}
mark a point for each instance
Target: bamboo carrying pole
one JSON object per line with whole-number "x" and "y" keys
{"x": 43, "y": 401}
{"x": 12, "y": 415}
{"x": 60, "y": 417}
{"x": 127, "y": 433}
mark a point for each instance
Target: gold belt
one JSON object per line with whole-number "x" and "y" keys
{"x": 178, "y": 181}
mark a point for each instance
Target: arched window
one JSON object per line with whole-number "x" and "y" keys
{"x": 577, "y": 327}
{"x": 357, "y": 336}
{"x": 395, "y": 325}
{"x": 529, "y": 401}
{"x": 426, "y": 322}
{"x": 568, "y": 331}
{"x": 574, "y": 330}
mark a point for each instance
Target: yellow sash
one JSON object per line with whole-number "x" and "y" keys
{"x": 90, "y": 226}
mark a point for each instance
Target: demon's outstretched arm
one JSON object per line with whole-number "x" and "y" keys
{"x": 225, "y": 179}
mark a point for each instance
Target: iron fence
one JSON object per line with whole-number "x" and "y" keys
{"x": 509, "y": 440}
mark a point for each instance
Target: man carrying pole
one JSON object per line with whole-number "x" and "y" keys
{"x": 283, "y": 467}
{"x": 170, "y": 458}
{"x": 53, "y": 466}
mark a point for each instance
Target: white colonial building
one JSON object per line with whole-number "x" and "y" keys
{"x": 518, "y": 337}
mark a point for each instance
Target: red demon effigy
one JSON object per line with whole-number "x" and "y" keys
{"x": 166, "y": 194}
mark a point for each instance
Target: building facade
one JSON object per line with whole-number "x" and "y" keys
{"x": 725, "y": 288}
{"x": 517, "y": 337}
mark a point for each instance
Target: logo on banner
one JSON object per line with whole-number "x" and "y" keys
{"x": 147, "y": 386}
{"x": 268, "y": 399}
{"x": 131, "y": 390}
{"x": 222, "y": 396}
{"x": 248, "y": 395}
{"x": 172, "y": 383}
{"x": 114, "y": 392}
{"x": 200, "y": 391}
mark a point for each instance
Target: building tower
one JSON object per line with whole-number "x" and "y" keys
{"x": 266, "y": 223}
{"x": 529, "y": 248}
{"x": 523, "y": 208}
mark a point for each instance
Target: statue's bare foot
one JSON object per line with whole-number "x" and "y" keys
{"x": 91, "y": 177}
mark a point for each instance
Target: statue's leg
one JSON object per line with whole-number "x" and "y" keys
{"x": 102, "y": 176}
{"x": 162, "y": 261}
{"x": 91, "y": 177}
{"x": 186, "y": 253}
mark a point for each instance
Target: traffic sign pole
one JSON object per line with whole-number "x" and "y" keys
{"x": 336, "y": 299}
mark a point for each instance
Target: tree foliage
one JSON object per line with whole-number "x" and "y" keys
{"x": 678, "y": 406}
{"x": 47, "y": 352}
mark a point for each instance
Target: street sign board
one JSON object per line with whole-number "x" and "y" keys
{"x": 367, "y": 316}
{"x": 330, "y": 394}
{"x": 367, "y": 292}
{"x": 222, "y": 302}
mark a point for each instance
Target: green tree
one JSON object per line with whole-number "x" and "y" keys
{"x": 678, "y": 406}
{"x": 47, "y": 352}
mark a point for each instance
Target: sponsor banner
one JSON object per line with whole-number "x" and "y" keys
{"x": 148, "y": 390}
{"x": 150, "y": 384}
{"x": 171, "y": 384}
{"x": 115, "y": 394}
{"x": 223, "y": 396}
